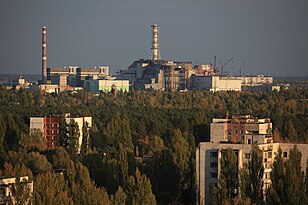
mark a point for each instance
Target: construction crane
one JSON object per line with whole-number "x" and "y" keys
{"x": 241, "y": 68}
{"x": 222, "y": 65}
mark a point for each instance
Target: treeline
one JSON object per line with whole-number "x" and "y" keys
{"x": 289, "y": 183}
{"x": 142, "y": 144}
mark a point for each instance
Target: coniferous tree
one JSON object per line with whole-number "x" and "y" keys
{"x": 69, "y": 136}
{"x": 2, "y": 131}
{"x": 140, "y": 190}
{"x": 287, "y": 180}
{"x": 21, "y": 193}
{"x": 256, "y": 171}
{"x": 119, "y": 198}
{"x": 226, "y": 190}
{"x": 85, "y": 146}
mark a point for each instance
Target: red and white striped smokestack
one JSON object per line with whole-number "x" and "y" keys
{"x": 44, "y": 55}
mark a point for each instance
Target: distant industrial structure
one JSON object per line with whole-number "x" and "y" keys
{"x": 44, "y": 55}
{"x": 75, "y": 76}
{"x": 149, "y": 74}
{"x": 155, "y": 44}
{"x": 157, "y": 75}
{"x": 238, "y": 133}
{"x": 105, "y": 85}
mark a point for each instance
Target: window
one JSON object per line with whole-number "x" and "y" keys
{"x": 247, "y": 155}
{"x": 213, "y": 154}
{"x": 214, "y": 175}
{"x": 285, "y": 154}
{"x": 270, "y": 154}
{"x": 213, "y": 164}
{"x": 249, "y": 141}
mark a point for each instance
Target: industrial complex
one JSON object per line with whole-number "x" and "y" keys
{"x": 147, "y": 74}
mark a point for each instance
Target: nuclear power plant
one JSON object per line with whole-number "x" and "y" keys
{"x": 143, "y": 74}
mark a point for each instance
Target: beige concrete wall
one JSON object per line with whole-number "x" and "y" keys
{"x": 218, "y": 132}
{"x": 37, "y": 123}
{"x": 269, "y": 151}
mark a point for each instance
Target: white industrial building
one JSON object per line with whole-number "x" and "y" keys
{"x": 215, "y": 83}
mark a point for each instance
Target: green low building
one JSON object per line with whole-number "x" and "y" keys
{"x": 105, "y": 85}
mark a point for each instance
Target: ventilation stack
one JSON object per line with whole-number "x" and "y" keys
{"x": 44, "y": 55}
{"x": 155, "y": 46}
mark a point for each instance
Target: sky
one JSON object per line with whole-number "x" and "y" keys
{"x": 269, "y": 36}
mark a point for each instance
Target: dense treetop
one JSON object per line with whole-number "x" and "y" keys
{"x": 142, "y": 144}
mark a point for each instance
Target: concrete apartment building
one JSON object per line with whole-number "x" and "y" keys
{"x": 6, "y": 189}
{"x": 208, "y": 157}
{"x": 50, "y": 125}
{"x": 237, "y": 133}
{"x": 241, "y": 129}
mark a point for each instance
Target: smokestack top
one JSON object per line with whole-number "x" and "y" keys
{"x": 155, "y": 43}
{"x": 44, "y": 55}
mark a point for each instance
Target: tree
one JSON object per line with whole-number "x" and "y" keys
{"x": 227, "y": 188}
{"x": 140, "y": 190}
{"x": 228, "y": 173}
{"x": 287, "y": 179}
{"x": 290, "y": 131}
{"x": 38, "y": 163}
{"x": 69, "y": 137}
{"x": 85, "y": 146}
{"x": 118, "y": 132}
{"x": 119, "y": 198}
{"x": 21, "y": 192}
{"x": 51, "y": 189}
{"x": 252, "y": 177}
{"x": 33, "y": 140}
{"x": 2, "y": 131}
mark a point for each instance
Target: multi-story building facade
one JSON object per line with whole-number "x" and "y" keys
{"x": 50, "y": 127}
{"x": 244, "y": 129}
{"x": 6, "y": 189}
{"x": 208, "y": 157}
{"x": 238, "y": 133}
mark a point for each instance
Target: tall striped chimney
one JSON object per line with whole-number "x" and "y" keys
{"x": 155, "y": 45}
{"x": 44, "y": 55}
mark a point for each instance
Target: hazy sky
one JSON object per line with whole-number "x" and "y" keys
{"x": 270, "y": 36}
